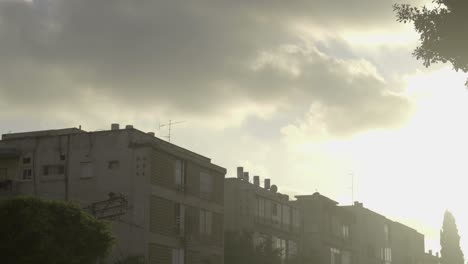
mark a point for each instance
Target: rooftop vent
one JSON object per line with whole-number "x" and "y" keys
{"x": 266, "y": 184}
{"x": 151, "y": 133}
{"x": 128, "y": 127}
{"x": 246, "y": 176}
{"x": 115, "y": 126}
{"x": 256, "y": 180}
{"x": 240, "y": 172}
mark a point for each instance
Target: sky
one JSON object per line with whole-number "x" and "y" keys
{"x": 307, "y": 93}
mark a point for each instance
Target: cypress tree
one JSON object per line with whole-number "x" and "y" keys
{"x": 450, "y": 241}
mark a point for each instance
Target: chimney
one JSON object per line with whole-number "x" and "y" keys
{"x": 246, "y": 176}
{"x": 128, "y": 127}
{"x": 266, "y": 184}
{"x": 151, "y": 133}
{"x": 240, "y": 172}
{"x": 256, "y": 180}
{"x": 115, "y": 126}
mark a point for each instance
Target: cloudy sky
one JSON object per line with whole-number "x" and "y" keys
{"x": 303, "y": 92}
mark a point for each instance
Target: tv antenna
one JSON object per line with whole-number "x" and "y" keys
{"x": 169, "y": 127}
{"x": 352, "y": 187}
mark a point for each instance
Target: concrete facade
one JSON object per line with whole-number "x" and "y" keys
{"x": 377, "y": 239}
{"x": 337, "y": 234}
{"x": 264, "y": 212}
{"x": 326, "y": 236}
{"x": 175, "y": 197}
{"x": 430, "y": 258}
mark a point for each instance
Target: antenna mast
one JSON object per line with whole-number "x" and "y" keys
{"x": 352, "y": 187}
{"x": 169, "y": 127}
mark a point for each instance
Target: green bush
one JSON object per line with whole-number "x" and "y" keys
{"x": 50, "y": 232}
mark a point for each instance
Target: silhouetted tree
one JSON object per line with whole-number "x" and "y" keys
{"x": 52, "y": 232}
{"x": 442, "y": 31}
{"x": 450, "y": 241}
{"x": 239, "y": 248}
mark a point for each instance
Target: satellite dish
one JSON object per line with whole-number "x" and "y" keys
{"x": 274, "y": 188}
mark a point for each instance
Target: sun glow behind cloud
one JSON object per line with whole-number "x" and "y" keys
{"x": 412, "y": 173}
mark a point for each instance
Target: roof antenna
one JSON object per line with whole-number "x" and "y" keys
{"x": 169, "y": 126}
{"x": 352, "y": 186}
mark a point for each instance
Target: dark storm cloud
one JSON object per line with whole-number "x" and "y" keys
{"x": 191, "y": 57}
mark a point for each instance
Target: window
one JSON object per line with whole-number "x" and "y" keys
{"x": 259, "y": 239}
{"x": 386, "y": 233}
{"x": 334, "y": 256}
{"x": 62, "y": 157}
{"x": 292, "y": 248}
{"x": 178, "y": 256}
{"x": 386, "y": 255}
{"x": 180, "y": 173}
{"x": 345, "y": 232}
{"x": 206, "y": 185}
{"x": 86, "y": 170}
{"x": 180, "y": 219}
{"x": 261, "y": 207}
{"x": 3, "y": 174}
{"x": 274, "y": 209}
{"x": 276, "y": 213}
{"x": 336, "y": 227}
{"x": 345, "y": 257}
{"x": 276, "y": 242}
{"x": 295, "y": 218}
{"x": 53, "y": 170}
{"x": 27, "y": 175}
{"x": 206, "y": 218}
{"x": 26, "y": 160}
{"x": 286, "y": 216}
{"x": 113, "y": 164}
{"x": 283, "y": 249}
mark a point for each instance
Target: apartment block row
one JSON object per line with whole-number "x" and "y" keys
{"x": 316, "y": 229}
{"x": 170, "y": 205}
{"x": 173, "y": 211}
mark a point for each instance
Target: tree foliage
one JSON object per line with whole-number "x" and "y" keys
{"x": 52, "y": 232}
{"x": 450, "y": 241}
{"x": 239, "y": 248}
{"x": 442, "y": 31}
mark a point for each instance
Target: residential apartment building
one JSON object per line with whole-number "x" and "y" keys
{"x": 173, "y": 210}
{"x": 377, "y": 239}
{"x": 262, "y": 211}
{"x": 326, "y": 236}
{"x": 334, "y": 234}
{"x": 430, "y": 258}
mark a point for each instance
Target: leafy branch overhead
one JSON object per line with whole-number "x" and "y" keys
{"x": 442, "y": 31}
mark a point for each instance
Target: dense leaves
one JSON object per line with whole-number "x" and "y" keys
{"x": 443, "y": 31}
{"x": 450, "y": 241}
{"x": 37, "y": 231}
